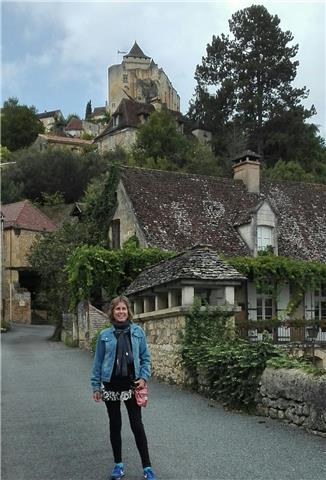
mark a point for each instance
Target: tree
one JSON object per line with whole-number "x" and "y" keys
{"x": 51, "y": 171}
{"x": 48, "y": 258}
{"x": 160, "y": 145}
{"x": 88, "y": 111}
{"x": 289, "y": 171}
{"x": 19, "y": 125}
{"x": 252, "y": 72}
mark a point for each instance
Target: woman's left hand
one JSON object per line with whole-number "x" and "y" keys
{"x": 140, "y": 383}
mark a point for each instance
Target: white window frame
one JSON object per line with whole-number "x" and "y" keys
{"x": 263, "y": 298}
{"x": 319, "y": 312}
{"x": 265, "y": 237}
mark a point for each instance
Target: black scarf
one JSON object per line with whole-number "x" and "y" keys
{"x": 124, "y": 355}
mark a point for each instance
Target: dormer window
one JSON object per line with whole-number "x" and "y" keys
{"x": 265, "y": 238}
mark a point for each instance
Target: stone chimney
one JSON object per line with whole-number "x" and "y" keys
{"x": 246, "y": 167}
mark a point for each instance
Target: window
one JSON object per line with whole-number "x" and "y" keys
{"x": 320, "y": 303}
{"x": 265, "y": 305}
{"x": 265, "y": 237}
{"x": 115, "y": 120}
{"x": 125, "y": 78}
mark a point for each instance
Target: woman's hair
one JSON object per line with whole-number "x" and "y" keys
{"x": 114, "y": 303}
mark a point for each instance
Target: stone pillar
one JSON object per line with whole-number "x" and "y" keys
{"x": 188, "y": 295}
{"x": 229, "y": 295}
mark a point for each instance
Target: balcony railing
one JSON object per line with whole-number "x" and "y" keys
{"x": 283, "y": 334}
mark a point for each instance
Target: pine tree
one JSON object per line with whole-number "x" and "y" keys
{"x": 252, "y": 71}
{"x": 88, "y": 111}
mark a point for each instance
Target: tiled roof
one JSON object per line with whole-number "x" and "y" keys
{"x": 99, "y": 111}
{"x": 74, "y": 124}
{"x": 53, "y": 113}
{"x": 177, "y": 210}
{"x": 64, "y": 140}
{"x": 129, "y": 113}
{"x": 136, "y": 51}
{"x": 25, "y": 215}
{"x": 196, "y": 263}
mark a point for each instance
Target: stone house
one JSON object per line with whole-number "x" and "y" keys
{"x": 49, "y": 119}
{"x": 44, "y": 141}
{"x": 21, "y": 224}
{"x": 237, "y": 217}
{"x": 121, "y": 131}
{"x": 139, "y": 78}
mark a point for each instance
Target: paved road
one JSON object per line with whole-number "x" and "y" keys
{"x": 51, "y": 429}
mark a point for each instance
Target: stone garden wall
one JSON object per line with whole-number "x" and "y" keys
{"x": 163, "y": 335}
{"x": 295, "y": 397}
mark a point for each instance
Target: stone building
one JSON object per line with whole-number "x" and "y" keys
{"x": 162, "y": 294}
{"x": 139, "y": 78}
{"x": 22, "y": 223}
{"x": 44, "y": 141}
{"x": 121, "y": 130}
{"x": 238, "y": 217}
{"x": 49, "y": 119}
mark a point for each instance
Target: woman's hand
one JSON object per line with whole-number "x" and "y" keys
{"x": 140, "y": 383}
{"x": 97, "y": 396}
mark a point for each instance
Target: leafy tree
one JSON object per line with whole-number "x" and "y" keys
{"x": 53, "y": 170}
{"x": 48, "y": 258}
{"x": 88, "y": 111}
{"x": 252, "y": 71}
{"x": 19, "y": 125}
{"x": 158, "y": 142}
{"x": 289, "y": 171}
{"x": 160, "y": 145}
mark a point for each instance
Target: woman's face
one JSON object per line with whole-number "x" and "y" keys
{"x": 120, "y": 312}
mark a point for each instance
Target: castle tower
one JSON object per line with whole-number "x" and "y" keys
{"x": 139, "y": 77}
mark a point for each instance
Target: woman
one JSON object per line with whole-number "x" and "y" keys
{"x": 122, "y": 363}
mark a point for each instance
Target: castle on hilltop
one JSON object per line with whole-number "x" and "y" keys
{"x": 139, "y": 78}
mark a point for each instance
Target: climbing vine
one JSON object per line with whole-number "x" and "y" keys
{"x": 94, "y": 267}
{"x": 270, "y": 272}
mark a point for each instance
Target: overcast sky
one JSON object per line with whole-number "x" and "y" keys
{"x": 55, "y": 55}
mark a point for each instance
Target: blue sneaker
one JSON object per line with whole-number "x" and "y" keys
{"x": 117, "y": 472}
{"x": 149, "y": 474}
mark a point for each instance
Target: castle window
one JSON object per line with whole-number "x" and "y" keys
{"x": 125, "y": 78}
{"x": 265, "y": 237}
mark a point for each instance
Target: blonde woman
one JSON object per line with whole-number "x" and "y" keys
{"x": 122, "y": 362}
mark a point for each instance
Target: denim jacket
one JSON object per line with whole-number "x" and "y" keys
{"x": 105, "y": 353}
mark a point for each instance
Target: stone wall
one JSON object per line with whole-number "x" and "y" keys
{"x": 163, "y": 335}
{"x": 295, "y": 397}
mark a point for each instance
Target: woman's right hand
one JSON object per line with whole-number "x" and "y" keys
{"x": 97, "y": 396}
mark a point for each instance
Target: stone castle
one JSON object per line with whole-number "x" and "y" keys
{"x": 139, "y": 78}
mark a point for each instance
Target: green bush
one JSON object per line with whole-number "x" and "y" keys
{"x": 232, "y": 366}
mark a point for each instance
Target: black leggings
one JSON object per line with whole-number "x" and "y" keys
{"x": 137, "y": 427}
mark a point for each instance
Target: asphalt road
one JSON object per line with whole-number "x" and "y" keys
{"x": 52, "y": 429}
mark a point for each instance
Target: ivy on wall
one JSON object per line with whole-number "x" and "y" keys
{"x": 230, "y": 366}
{"x": 94, "y": 267}
{"x": 271, "y": 272}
